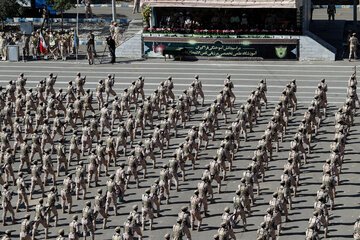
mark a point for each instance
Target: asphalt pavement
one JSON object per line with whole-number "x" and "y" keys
{"x": 245, "y": 76}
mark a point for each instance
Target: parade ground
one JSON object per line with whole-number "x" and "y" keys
{"x": 245, "y": 76}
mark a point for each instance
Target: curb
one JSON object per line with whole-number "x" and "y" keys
{"x": 107, "y": 5}
{"x": 67, "y": 20}
{"x": 336, "y": 6}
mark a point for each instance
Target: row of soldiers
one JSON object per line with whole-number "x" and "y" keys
{"x": 344, "y": 119}
{"x": 58, "y": 43}
{"x": 282, "y": 198}
{"x": 244, "y": 197}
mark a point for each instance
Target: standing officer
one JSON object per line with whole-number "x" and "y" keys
{"x": 111, "y": 44}
{"x": 353, "y": 42}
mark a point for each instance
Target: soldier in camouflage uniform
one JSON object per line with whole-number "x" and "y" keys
{"x": 40, "y": 212}
{"x": 99, "y": 207}
{"x": 74, "y": 228}
{"x": 36, "y": 178}
{"x": 51, "y": 205}
{"x": 25, "y": 228}
{"x": 6, "y": 196}
{"x": 195, "y": 210}
{"x": 136, "y": 222}
{"x": 88, "y": 221}
{"x": 147, "y": 209}
{"x": 111, "y": 194}
{"x": 21, "y": 190}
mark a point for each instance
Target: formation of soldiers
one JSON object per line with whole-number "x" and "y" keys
{"x": 59, "y": 44}
{"x": 344, "y": 120}
{"x": 35, "y": 123}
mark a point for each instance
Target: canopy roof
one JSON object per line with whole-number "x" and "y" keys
{"x": 224, "y": 3}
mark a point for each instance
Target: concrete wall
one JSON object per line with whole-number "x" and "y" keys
{"x": 132, "y": 48}
{"x": 313, "y": 48}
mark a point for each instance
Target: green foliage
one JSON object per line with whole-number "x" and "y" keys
{"x": 10, "y": 8}
{"x": 61, "y": 5}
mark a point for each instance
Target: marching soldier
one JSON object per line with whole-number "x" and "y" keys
{"x": 262, "y": 232}
{"x": 109, "y": 83}
{"x": 164, "y": 183}
{"x": 74, "y": 147}
{"x": 195, "y": 210}
{"x": 120, "y": 180}
{"x": 9, "y": 159}
{"x": 117, "y": 235}
{"x": 178, "y": 230}
{"x": 93, "y": 168}
{"x": 79, "y": 84}
{"x": 184, "y": 215}
{"x": 26, "y": 227}
{"x": 99, "y": 207}
{"x": 48, "y": 167}
{"x": 330, "y": 182}
{"x": 80, "y": 173}
{"x": 86, "y": 140}
{"x": 228, "y": 219}
{"x": 173, "y": 172}
{"x": 244, "y": 193}
{"x": 147, "y": 209}
{"x": 87, "y": 221}
{"x": 21, "y": 190}
{"x": 136, "y": 221}
{"x": 128, "y": 229}
{"x": 100, "y": 89}
{"x": 74, "y": 228}
{"x": 6, "y": 196}
{"x": 111, "y": 194}
{"x": 104, "y": 119}
{"x": 155, "y": 193}
{"x": 36, "y": 178}
{"x": 51, "y": 205}
{"x": 239, "y": 208}
{"x": 61, "y": 157}
{"x": 110, "y": 148}
{"x": 66, "y": 193}
{"x": 40, "y": 212}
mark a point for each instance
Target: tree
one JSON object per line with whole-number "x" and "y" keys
{"x": 8, "y": 9}
{"x": 61, "y": 6}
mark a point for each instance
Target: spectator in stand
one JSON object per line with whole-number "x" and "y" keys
{"x": 235, "y": 21}
{"x": 331, "y": 10}
{"x": 244, "y": 20}
{"x": 45, "y": 15}
{"x": 88, "y": 10}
